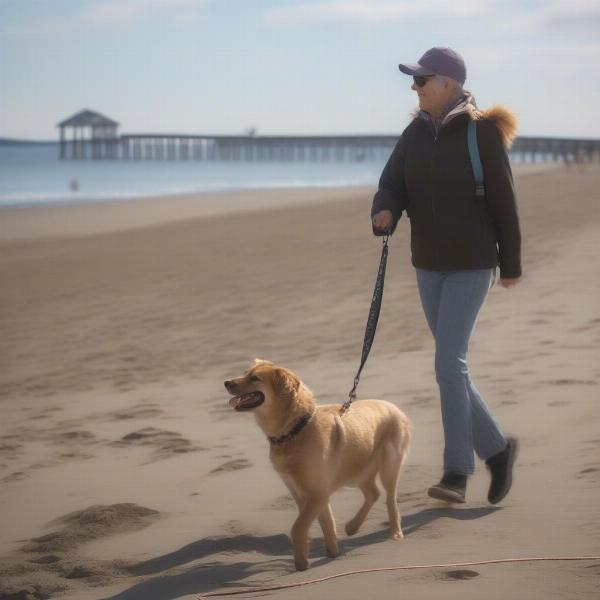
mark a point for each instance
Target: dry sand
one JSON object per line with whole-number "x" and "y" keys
{"x": 125, "y": 475}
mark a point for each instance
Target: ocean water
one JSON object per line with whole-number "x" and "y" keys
{"x": 32, "y": 174}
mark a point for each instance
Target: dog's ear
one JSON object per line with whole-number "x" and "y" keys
{"x": 285, "y": 383}
{"x": 260, "y": 361}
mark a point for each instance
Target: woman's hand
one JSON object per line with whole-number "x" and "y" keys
{"x": 383, "y": 220}
{"x": 507, "y": 281}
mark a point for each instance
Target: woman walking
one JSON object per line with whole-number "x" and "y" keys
{"x": 458, "y": 239}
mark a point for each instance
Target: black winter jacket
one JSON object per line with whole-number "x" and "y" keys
{"x": 429, "y": 175}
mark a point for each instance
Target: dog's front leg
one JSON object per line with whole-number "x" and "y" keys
{"x": 294, "y": 492}
{"x": 313, "y": 506}
{"x": 327, "y": 523}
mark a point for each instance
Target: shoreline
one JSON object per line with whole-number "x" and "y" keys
{"x": 94, "y": 217}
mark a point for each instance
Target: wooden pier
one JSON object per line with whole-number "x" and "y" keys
{"x": 95, "y": 137}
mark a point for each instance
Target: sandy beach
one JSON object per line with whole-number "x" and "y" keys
{"x": 124, "y": 474}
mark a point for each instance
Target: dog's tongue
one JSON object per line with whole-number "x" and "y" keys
{"x": 233, "y": 402}
{"x": 245, "y": 400}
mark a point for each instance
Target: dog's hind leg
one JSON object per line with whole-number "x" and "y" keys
{"x": 327, "y": 523}
{"x": 391, "y": 461}
{"x": 371, "y": 493}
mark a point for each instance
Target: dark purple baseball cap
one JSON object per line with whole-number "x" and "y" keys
{"x": 438, "y": 61}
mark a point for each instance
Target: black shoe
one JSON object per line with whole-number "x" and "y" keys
{"x": 500, "y": 466}
{"x": 451, "y": 488}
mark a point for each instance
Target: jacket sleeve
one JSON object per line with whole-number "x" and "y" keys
{"x": 500, "y": 199}
{"x": 392, "y": 194}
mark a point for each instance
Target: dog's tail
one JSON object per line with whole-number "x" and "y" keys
{"x": 405, "y": 432}
{"x": 400, "y": 433}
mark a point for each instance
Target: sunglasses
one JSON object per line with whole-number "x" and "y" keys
{"x": 421, "y": 80}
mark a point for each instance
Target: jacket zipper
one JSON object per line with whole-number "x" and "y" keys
{"x": 435, "y": 139}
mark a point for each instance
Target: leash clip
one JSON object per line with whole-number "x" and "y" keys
{"x": 351, "y": 396}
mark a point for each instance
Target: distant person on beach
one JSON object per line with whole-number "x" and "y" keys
{"x": 74, "y": 185}
{"x": 580, "y": 160}
{"x": 457, "y": 241}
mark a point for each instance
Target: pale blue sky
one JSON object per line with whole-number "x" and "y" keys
{"x": 290, "y": 66}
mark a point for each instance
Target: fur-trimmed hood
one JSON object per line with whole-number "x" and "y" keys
{"x": 502, "y": 117}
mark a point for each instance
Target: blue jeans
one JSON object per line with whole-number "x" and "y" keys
{"x": 451, "y": 301}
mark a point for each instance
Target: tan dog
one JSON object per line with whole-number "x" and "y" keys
{"x": 316, "y": 451}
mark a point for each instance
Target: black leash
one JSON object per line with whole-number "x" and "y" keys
{"x": 371, "y": 321}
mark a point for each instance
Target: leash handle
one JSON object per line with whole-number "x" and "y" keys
{"x": 372, "y": 320}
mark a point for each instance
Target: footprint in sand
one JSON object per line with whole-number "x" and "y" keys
{"x": 592, "y": 441}
{"x": 47, "y": 412}
{"x": 46, "y": 560}
{"x": 135, "y": 412}
{"x": 571, "y": 382}
{"x": 588, "y": 471}
{"x": 408, "y": 496}
{"x": 421, "y": 400}
{"x": 58, "y": 457}
{"x": 233, "y": 465}
{"x": 74, "y": 436}
{"x": 165, "y": 443}
{"x": 71, "y": 443}
{"x": 460, "y": 574}
{"x": 551, "y": 313}
{"x": 590, "y": 324}
{"x": 10, "y": 451}
{"x": 538, "y": 322}
{"x": 284, "y": 502}
{"x": 16, "y": 476}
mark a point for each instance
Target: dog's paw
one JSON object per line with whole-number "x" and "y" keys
{"x": 351, "y": 527}
{"x": 332, "y": 552}
{"x": 301, "y": 564}
{"x": 397, "y": 535}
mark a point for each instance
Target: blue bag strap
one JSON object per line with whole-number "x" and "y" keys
{"x": 475, "y": 159}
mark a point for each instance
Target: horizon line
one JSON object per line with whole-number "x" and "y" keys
{"x": 4, "y": 140}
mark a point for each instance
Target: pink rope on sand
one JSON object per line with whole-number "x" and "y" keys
{"x": 399, "y": 568}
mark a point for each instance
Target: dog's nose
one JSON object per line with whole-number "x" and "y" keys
{"x": 227, "y": 382}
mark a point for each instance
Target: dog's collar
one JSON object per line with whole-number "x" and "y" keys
{"x": 294, "y": 431}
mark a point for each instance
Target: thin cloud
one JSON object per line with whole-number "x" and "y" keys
{"x": 584, "y": 14}
{"x": 573, "y": 8}
{"x": 41, "y": 26}
{"x": 565, "y": 21}
{"x": 111, "y": 14}
{"x": 554, "y": 14}
{"x": 125, "y": 12}
{"x": 375, "y": 11}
